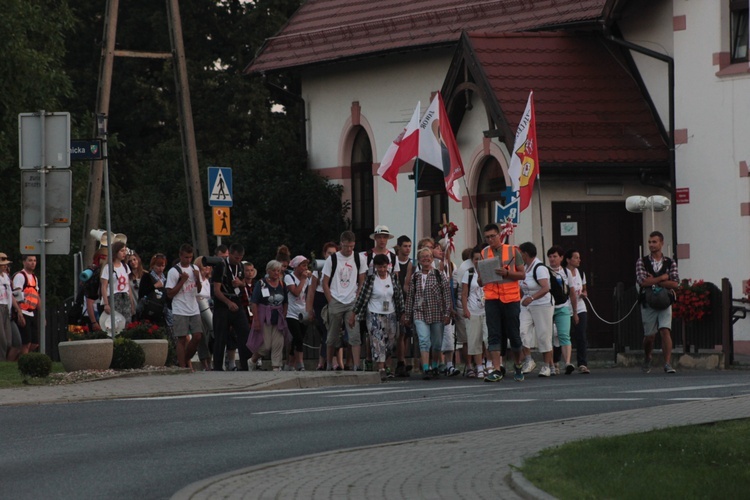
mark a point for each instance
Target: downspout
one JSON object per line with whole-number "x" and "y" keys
{"x": 670, "y": 137}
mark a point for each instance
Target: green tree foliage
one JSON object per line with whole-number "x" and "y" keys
{"x": 52, "y": 62}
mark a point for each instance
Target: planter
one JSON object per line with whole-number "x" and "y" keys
{"x": 86, "y": 354}
{"x": 155, "y": 351}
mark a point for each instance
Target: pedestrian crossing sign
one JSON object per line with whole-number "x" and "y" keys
{"x": 219, "y": 187}
{"x": 222, "y": 222}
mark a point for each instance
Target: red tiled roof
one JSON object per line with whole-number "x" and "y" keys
{"x": 589, "y": 109}
{"x": 327, "y": 30}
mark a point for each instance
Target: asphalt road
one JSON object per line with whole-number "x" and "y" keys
{"x": 150, "y": 448}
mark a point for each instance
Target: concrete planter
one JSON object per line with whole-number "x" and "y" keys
{"x": 86, "y": 354}
{"x": 155, "y": 350}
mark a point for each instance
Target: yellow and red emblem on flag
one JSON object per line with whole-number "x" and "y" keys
{"x": 524, "y": 162}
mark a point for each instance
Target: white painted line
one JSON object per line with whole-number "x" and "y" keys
{"x": 348, "y": 407}
{"x": 398, "y": 391}
{"x": 691, "y": 399}
{"x": 595, "y": 400}
{"x": 682, "y": 389}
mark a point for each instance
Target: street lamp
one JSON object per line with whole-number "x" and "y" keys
{"x": 639, "y": 204}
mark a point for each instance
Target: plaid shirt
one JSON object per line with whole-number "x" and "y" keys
{"x": 360, "y": 305}
{"x": 641, "y": 273}
{"x": 431, "y": 304}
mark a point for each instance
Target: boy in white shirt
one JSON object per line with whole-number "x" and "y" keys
{"x": 472, "y": 301}
{"x": 183, "y": 286}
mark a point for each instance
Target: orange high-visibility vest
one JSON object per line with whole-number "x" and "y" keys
{"x": 30, "y": 293}
{"x": 504, "y": 292}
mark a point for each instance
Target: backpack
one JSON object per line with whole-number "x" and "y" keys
{"x": 559, "y": 289}
{"x": 392, "y": 259}
{"x": 654, "y": 296}
{"x": 334, "y": 262}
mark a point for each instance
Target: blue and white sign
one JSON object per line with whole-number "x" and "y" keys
{"x": 219, "y": 187}
{"x": 507, "y": 212}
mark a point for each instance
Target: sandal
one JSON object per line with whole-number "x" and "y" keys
{"x": 471, "y": 373}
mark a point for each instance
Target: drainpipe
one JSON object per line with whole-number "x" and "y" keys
{"x": 670, "y": 137}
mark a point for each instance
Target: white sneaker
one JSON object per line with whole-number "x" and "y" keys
{"x": 528, "y": 366}
{"x": 545, "y": 371}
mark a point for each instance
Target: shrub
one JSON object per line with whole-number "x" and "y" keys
{"x": 35, "y": 364}
{"x": 127, "y": 355}
{"x": 143, "y": 330}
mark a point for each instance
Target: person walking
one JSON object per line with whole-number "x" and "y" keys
{"x": 428, "y": 308}
{"x": 502, "y": 303}
{"x": 579, "y": 320}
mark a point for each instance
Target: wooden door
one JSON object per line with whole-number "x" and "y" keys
{"x": 608, "y": 238}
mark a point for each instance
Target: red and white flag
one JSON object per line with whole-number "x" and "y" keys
{"x": 524, "y": 162}
{"x": 403, "y": 149}
{"x": 437, "y": 146}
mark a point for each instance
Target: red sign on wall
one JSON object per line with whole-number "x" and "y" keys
{"x": 682, "y": 195}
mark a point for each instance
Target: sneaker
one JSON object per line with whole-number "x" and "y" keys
{"x": 427, "y": 375}
{"x": 528, "y": 365}
{"x": 301, "y": 368}
{"x": 502, "y": 370}
{"x": 518, "y": 373}
{"x": 668, "y": 369}
{"x": 553, "y": 370}
{"x": 545, "y": 371}
{"x": 583, "y": 370}
{"x": 452, "y": 371}
{"x": 442, "y": 369}
{"x": 383, "y": 375}
{"x": 259, "y": 365}
{"x": 388, "y": 373}
{"x": 646, "y": 367}
{"x": 569, "y": 368}
{"x": 495, "y": 376}
{"x": 400, "y": 370}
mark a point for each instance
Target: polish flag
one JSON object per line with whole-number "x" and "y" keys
{"x": 524, "y": 162}
{"x": 437, "y": 146}
{"x": 402, "y": 150}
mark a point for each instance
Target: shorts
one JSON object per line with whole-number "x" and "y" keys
{"x": 477, "y": 333}
{"x": 654, "y": 320}
{"x": 30, "y": 331}
{"x": 462, "y": 324}
{"x": 338, "y": 312}
{"x": 186, "y": 325}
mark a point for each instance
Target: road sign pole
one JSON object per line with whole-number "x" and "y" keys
{"x": 43, "y": 242}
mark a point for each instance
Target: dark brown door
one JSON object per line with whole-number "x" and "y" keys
{"x": 608, "y": 238}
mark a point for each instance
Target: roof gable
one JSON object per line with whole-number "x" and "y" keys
{"x": 590, "y": 110}
{"x": 329, "y": 30}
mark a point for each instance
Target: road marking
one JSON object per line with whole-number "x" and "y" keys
{"x": 691, "y": 399}
{"x": 595, "y": 400}
{"x": 398, "y": 391}
{"x": 682, "y": 389}
{"x": 349, "y": 407}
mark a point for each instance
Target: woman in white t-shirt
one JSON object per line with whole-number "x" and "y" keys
{"x": 381, "y": 303}
{"x": 297, "y": 286}
{"x": 537, "y": 311}
{"x": 123, "y": 297}
{"x": 580, "y": 314}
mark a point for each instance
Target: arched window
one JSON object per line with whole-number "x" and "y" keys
{"x": 363, "y": 204}
{"x": 490, "y": 185}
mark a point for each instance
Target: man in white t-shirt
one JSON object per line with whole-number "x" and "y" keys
{"x": 343, "y": 275}
{"x": 537, "y": 310}
{"x": 183, "y": 286}
{"x": 381, "y": 236}
{"x": 472, "y": 311}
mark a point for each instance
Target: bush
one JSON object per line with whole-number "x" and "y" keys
{"x": 35, "y": 364}
{"x": 127, "y": 355}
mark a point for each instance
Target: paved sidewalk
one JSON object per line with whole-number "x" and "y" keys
{"x": 447, "y": 467}
{"x": 164, "y": 384}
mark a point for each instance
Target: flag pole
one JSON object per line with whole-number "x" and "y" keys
{"x": 541, "y": 216}
{"x": 414, "y": 232}
{"x": 471, "y": 204}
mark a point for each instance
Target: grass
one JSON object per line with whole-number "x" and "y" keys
{"x": 11, "y": 377}
{"x": 701, "y": 461}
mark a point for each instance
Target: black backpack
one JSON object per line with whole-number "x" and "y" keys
{"x": 334, "y": 262}
{"x": 558, "y": 288}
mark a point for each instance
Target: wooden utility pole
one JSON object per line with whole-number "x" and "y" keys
{"x": 92, "y": 214}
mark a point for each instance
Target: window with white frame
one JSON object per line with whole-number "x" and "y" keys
{"x": 738, "y": 15}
